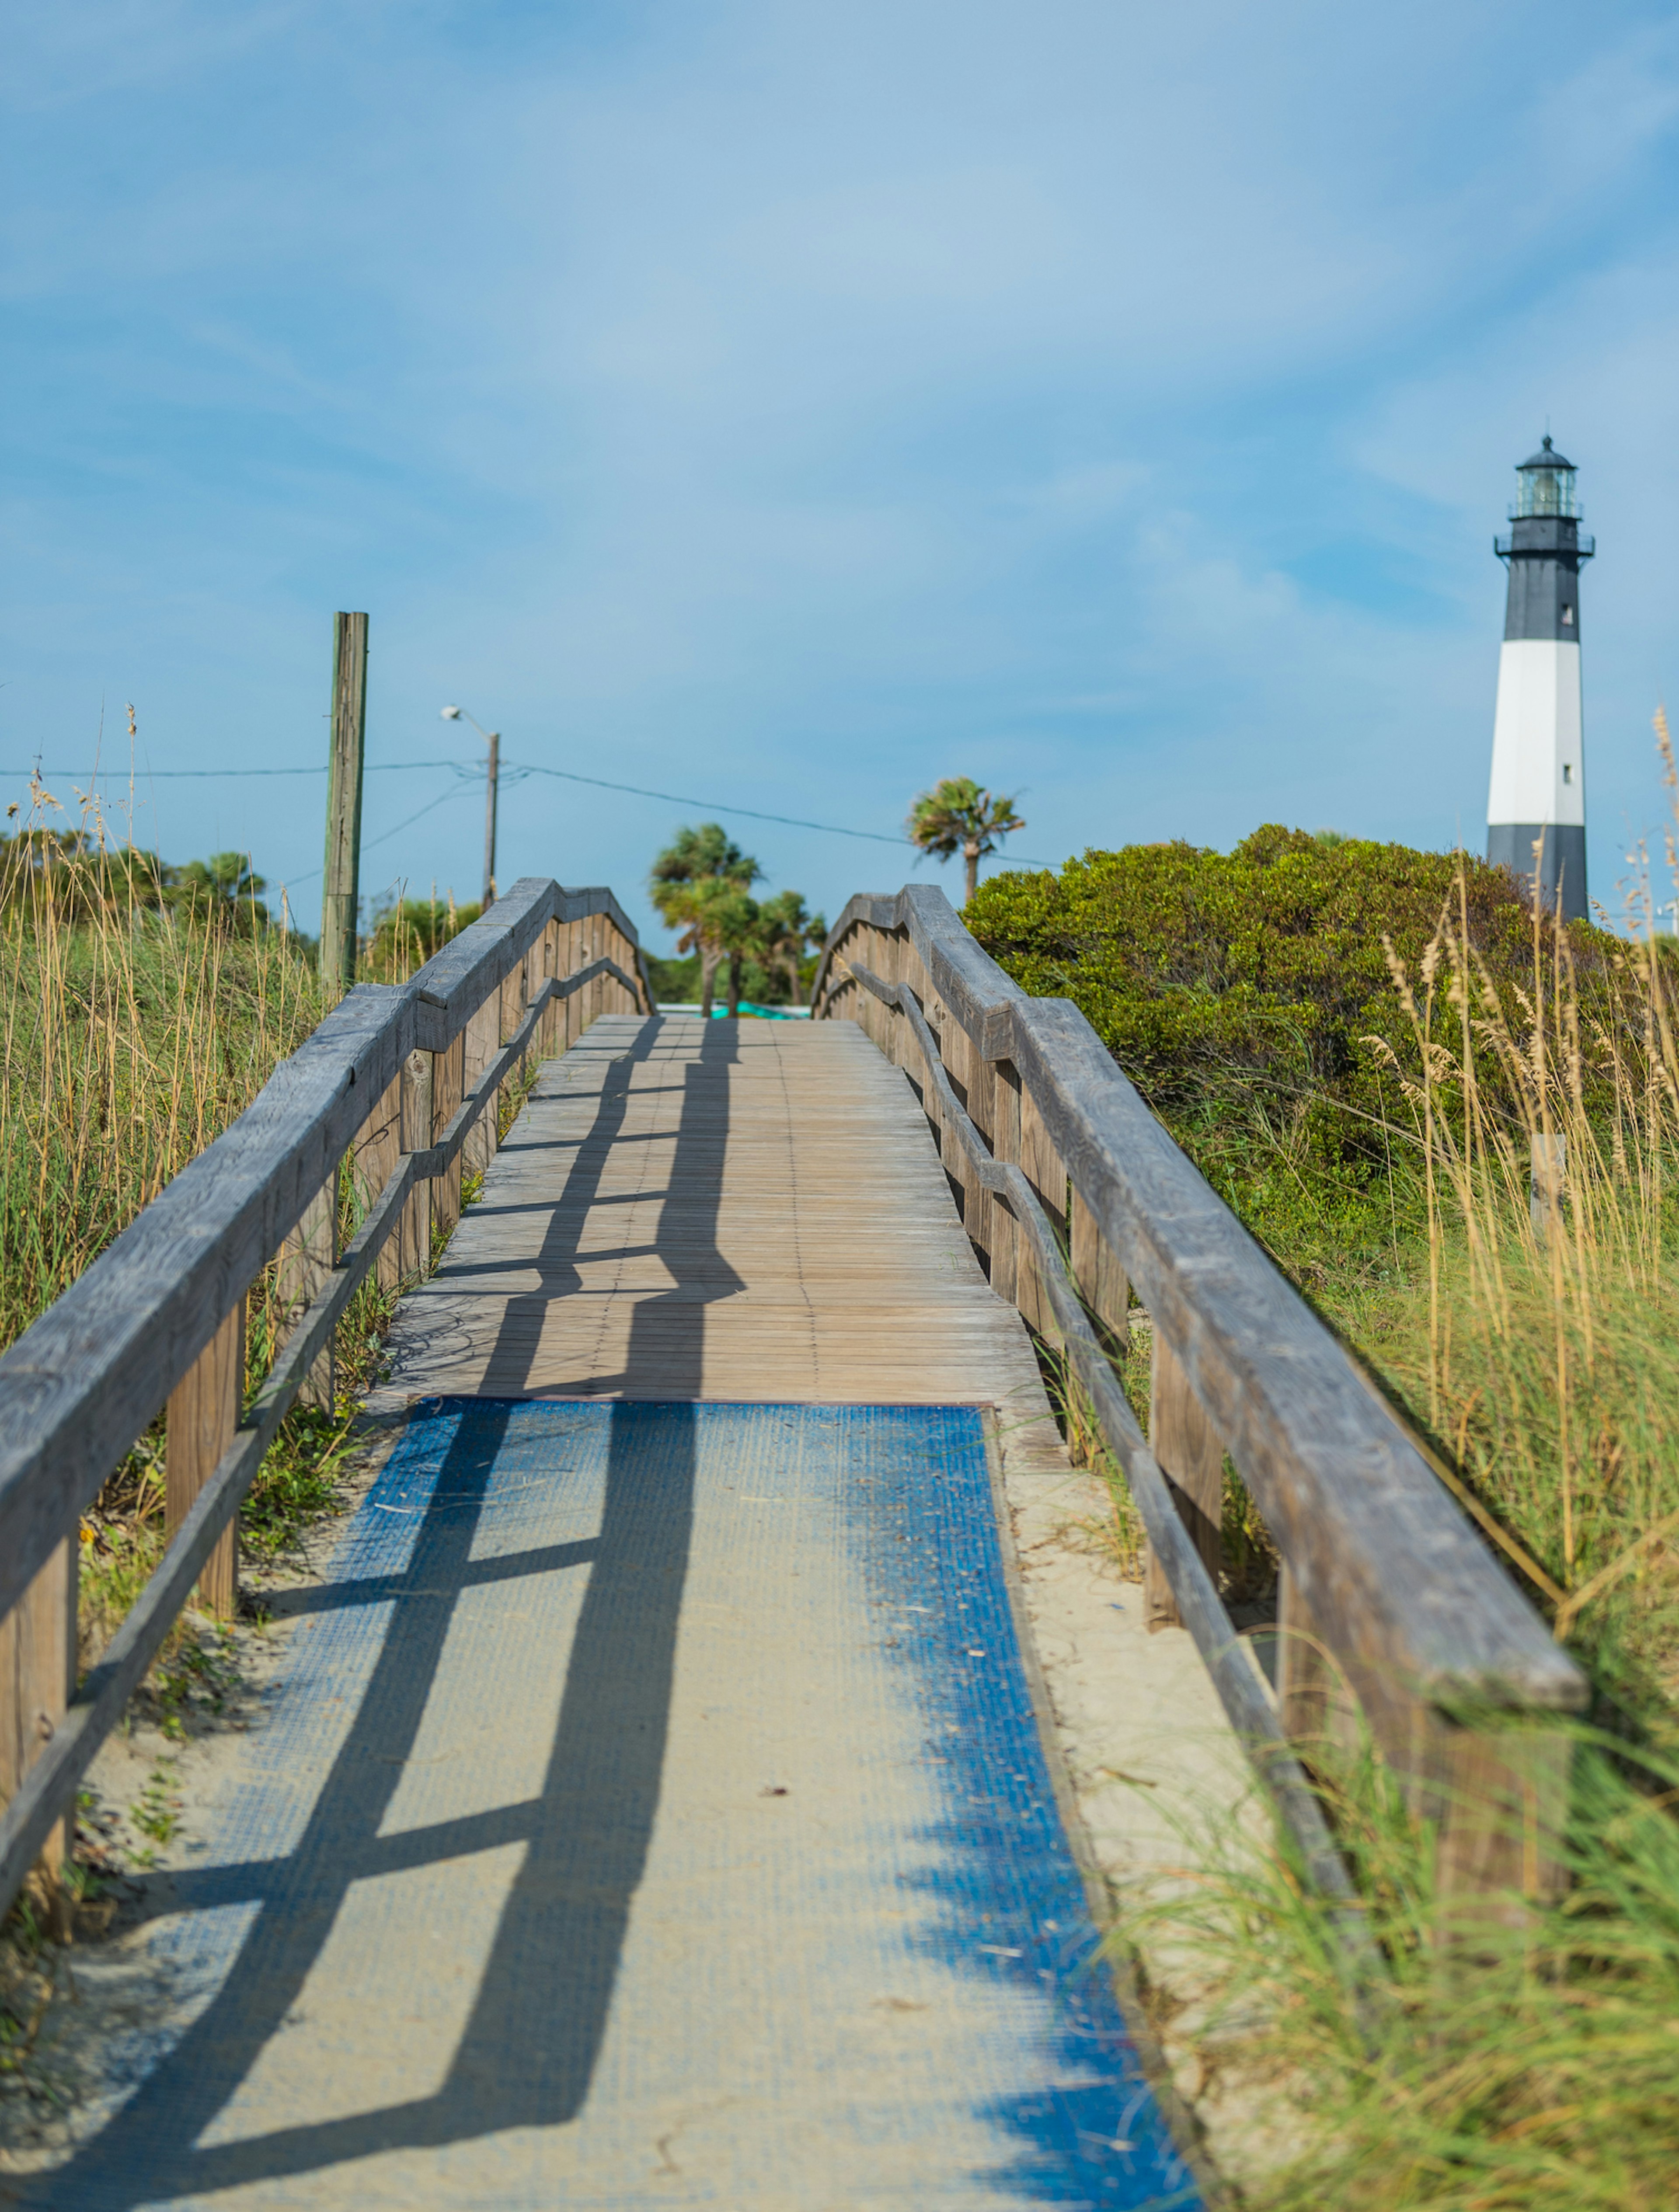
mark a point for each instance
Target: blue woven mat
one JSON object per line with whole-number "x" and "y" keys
{"x": 652, "y": 1813}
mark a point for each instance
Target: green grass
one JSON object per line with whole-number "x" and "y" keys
{"x": 1526, "y": 2068}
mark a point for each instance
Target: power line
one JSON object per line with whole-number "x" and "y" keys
{"x": 472, "y": 770}
{"x": 753, "y": 813}
{"x": 707, "y": 805}
{"x": 178, "y": 775}
{"x": 384, "y": 836}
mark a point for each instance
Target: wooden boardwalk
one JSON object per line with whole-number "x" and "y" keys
{"x": 654, "y": 1806}
{"x": 665, "y": 1794}
{"x": 740, "y": 1211}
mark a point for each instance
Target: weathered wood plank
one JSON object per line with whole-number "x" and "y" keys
{"x": 414, "y": 1236}
{"x": 1005, "y": 1146}
{"x": 1100, "y": 1277}
{"x": 308, "y": 1255}
{"x": 1189, "y": 1453}
{"x": 447, "y": 1090}
{"x": 377, "y": 1149}
{"x": 481, "y": 1042}
{"x": 203, "y": 1414}
{"x": 36, "y": 1681}
{"x": 510, "y": 1013}
{"x": 455, "y": 982}
{"x": 1041, "y": 1164}
{"x": 553, "y": 1019}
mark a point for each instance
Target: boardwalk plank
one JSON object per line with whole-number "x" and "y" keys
{"x": 750, "y": 1211}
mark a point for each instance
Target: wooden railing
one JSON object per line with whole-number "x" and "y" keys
{"x": 1072, "y": 1192}
{"x": 404, "y": 1079}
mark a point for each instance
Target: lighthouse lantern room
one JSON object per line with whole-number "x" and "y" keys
{"x": 1536, "y": 809}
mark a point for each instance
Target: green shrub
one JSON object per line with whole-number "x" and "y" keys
{"x": 1239, "y": 993}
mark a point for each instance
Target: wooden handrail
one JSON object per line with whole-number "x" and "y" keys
{"x": 1382, "y": 1567}
{"x": 95, "y": 1370}
{"x": 1246, "y": 1704}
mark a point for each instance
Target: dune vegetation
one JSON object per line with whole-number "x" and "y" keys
{"x": 145, "y": 1005}
{"x": 1455, "y": 1124}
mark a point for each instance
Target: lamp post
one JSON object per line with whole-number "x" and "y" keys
{"x": 493, "y": 740}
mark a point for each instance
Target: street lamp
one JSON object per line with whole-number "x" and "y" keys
{"x": 493, "y": 740}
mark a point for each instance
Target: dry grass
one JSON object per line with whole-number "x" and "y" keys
{"x": 132, "y": 1037}
{"x": 1527, "y": 1330}
{"x": 1534, "y": 1342}
{"x": 135, "y": 1031}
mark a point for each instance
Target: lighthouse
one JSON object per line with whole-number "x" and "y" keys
{"x": 1538, "y": 788}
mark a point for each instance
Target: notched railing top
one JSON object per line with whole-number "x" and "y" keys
{"x": 1381, "y": 1567}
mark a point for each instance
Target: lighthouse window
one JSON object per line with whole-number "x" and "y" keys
{"x": 1567, "y": 771}
{"x": 1546, "y": 486}
{"x": 1568, "y": 617}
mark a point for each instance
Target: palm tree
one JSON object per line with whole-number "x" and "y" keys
{"x": 957, "y": 816}
{"x": 699, "y": 885}
{"x": 739, "y": 926}
{"x": 223, "y": 891}
{"x": 716, "y": 919}
{"x": 787, "y": 930}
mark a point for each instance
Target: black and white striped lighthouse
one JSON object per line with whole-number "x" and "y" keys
{"x": 1538, "y": 788}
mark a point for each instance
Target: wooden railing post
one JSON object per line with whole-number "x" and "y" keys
{"x": 899, "y": 1041}
{"x": 1192, "y": 1459}
{"x": 1041, "y": 1164}
{"x": 1496, "y": 1797}
{"x": 375, "y": 1156}
{"x": 479, "y": 1043}
{"x": 415, "y": 1081}
{"x": 548, "y": 968}
{"x": 447, "y": 1075}
{"x": 982, "y": 1112}
{"x": 569, "y": 1007}
{"x": 36, "y": 1681}
{"x": 1100, "y": 1277}
{"x": 306, "y": 1260}
{"x": 1314, "y": 1703}
{"x": 958, "y": 1056}
{"x": 202, "y": 1417}
{"x": 872, "y": 1017}
{"x": 510, "y": 1012}
{"x": 627, "y": 961}
{"x": 614, "y": 950}
{"x": 1005, "y": 1146}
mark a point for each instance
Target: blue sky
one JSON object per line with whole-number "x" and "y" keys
{"x": 790, "y": 405}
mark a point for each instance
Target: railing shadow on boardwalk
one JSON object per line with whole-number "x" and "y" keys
{"x": 532, "y": 2036}
{"x": 665, "y": 1357}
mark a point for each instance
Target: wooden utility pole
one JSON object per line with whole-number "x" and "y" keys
{"x": 341, "y": 889}
{"x": 495, "y": 740}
